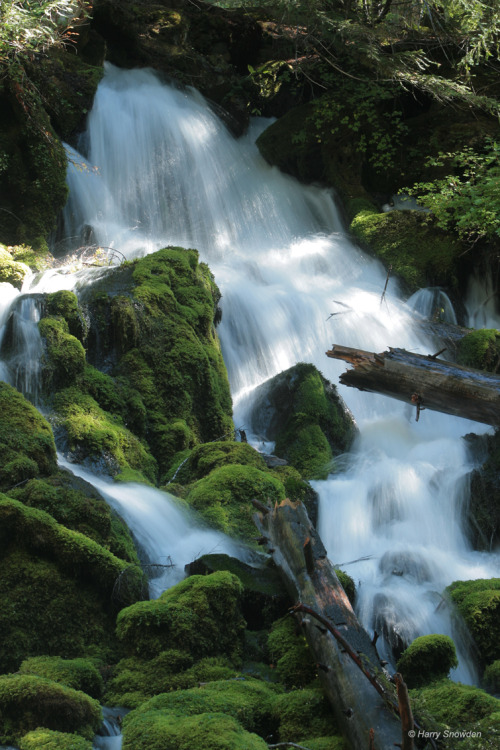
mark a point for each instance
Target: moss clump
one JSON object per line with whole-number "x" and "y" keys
{"x": 224, "y": 497}
{"x": 248, "y": 700}
{"x": 160, "y": 730}
{"x": 12, "y": 271}
{"x": 200, "y": 615}
{"x": 454, "y": 704}
{"x": 491, "y": 677}
{"x": 290, "y": 653}
{"x": 47, "y": 739}
{"x": 302, "y": 412}
{"x": 479, "y": 604}
{"x": 64, "y": 354}
{"x": 29, "y": 702}
{"x": 206, "y": 457}
{"x": 79, "y": 674}
{"x": 480, "y": 349}
{"x": 347, "y": 584}
{"x": 64, "y": 304}
{"x": 27, "y": 446}
{"x": 428, "y": 658}
{"x": 136, "y": 680}
{"x": 303, "y": 714}
{"x": 418, "y": 253}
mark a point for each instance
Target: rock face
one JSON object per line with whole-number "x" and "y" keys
{"x": 484, "y": 508}
{"x": 303, "y": 413}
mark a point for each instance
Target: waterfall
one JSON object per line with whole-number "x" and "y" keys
{"x": 157, "y": 167}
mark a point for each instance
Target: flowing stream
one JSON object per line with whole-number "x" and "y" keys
{"x": 157, "y": 167}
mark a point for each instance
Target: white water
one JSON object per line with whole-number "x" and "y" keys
{"x": 162, "y": 169}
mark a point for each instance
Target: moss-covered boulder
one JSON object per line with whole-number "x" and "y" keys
{"x": 480, "y": 349}
{"x": 12, "y": 271}
{"x": 302, "y": 412}
{"x": 27, "y": 446}
{"x": 304, "y": 714}
{"x": 64, "y": 304}
{"x": 263, "y": 599}
{"x": 428, "y": 658}
{"x": 29, "y": 702}
{"x": 200, "y": 615}
{"x": 290, "y": 654}
{"x": 79, "y": 674}
{"x": 136, "y": 680}
{"x": 453, "y": 704}
{"x": 420, "y": 254}
{"x": 483, "y": 511}
{"x": 160, "y": 730}
{"x": 478, "y": 602}
{"x": 48, "y": 739}
{"x": 64, "y": 354}
{"x": 491, "y": 677}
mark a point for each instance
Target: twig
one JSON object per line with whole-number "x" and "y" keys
{"x": 386, "y": 282}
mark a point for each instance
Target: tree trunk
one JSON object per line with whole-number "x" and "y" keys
{"x": 348, "y": 663}
{"x": 424, "y": 381}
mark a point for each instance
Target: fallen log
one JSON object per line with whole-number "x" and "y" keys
{"x": 424, "y": 381}
{"x": 349, "y": 667}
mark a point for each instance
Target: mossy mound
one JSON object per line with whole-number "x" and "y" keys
{"x": 206, "y": 457}
{"x": 491, "y": 677}
{"x": 248, "y": 700}
{"x": 64, "y": 304}
{"x": 419, "y": 254}
{"x": 453, "y": 704}
{"x": 27, "y": 446}
{"x": 303, "y": 413}
{"x": 428, "y": 658}
{"x": 47, "y": 739}
{"x": 64, "y": 354}
{"x": 160, "y": 730}
{"x": 79, "y": 674}
{"x": 12, "y": 271}
{"x": 223, "y": 498}
{"x": 304, "y": 714}
{"x": 201, "y": 615}
{"x": 478, "y": 602}
{"x": 289, "y": 652}
{"x": 263, "y": 599}
{"x": 484, "y": 506}
{"x": 29, "y": 702}
{"x": 136, "y": 680}
{"x": 480, "y": 349}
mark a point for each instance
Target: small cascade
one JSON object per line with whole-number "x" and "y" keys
{"x": 21, "y": 346}
{"x": 480, "y": 302}
{"x": 433, "y": 304}
{"x": 109, "y": 736}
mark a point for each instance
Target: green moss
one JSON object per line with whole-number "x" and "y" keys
{"x": 79, "y": 674}
{"x": 64, "y": 355}
{"x": 200, "y": 615}
{"x": 347, "y": 584}
{"x": 406, "y": 240}
{"x": 327, "y": 743}
{"x": 135, "y": 680}
{"x": 290, "y": 653}
{"x": 159, "y": 730}
{"x": 303, "y": 714}
{"x": 29, "y": 702}
{"x": 479, "y": 604}
{"x": 480, "y": 349}
{"x": 206, "y": 457}
{"x": 248, "y": 700}
{"x": 454, "y": 704}
{"x": 491, "y": 677}
{"x": 428, "y": 658}
{"x": 224, "y": 497}
{"x": 64, "y": 304}
{"x": 12, "y": 271}
{"x": 47, "y": 739}
{"x": 27, "y": 446}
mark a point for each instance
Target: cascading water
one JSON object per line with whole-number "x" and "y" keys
{"x": 160, "y": 168}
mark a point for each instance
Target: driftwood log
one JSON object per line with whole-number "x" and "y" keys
{"x": 424, "y": 381}
{"x": 349, "y": 668}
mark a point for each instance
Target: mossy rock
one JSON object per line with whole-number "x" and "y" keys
{"x": 420, "y": 254}
{"x": 64, "y": 354}
{"x": 304, "y": 714}
{"x": 200, "y": 615}
{"x": 480, "y": 349}
{"x": 29, "y": 702}
{"x": 478, "y": 602}
{"x": 64, "y": 304}
{"x": 453, "y": 704}
{"x": 160, "y": 730}
{"x": 491, "y": 677}
{"x": 136, "y": 680}
{"x": 27, "y": 447}
{"x": 428, "y": 658}
{"x": 289, "y": 652}
{"x": 302, "y": 412}
{"x": 483, "y": 511}
{"x": 12, "y": 271}
{"x": 79, "y": 674}
{"x": 248, "y": 700}
{"x": 263, "y": 599}
{"x": 48, "y": 739}
{"x": 204, "y": 458}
